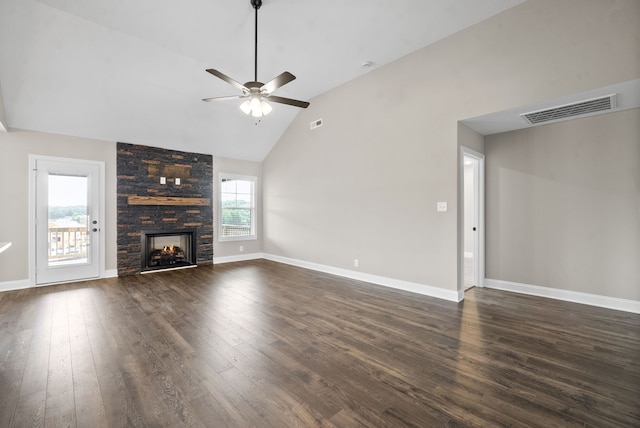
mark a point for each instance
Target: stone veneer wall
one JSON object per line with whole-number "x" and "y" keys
{"x": 139, "y": 169}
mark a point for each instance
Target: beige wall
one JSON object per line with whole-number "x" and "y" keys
{"x": 15, "y": 148}
{"x": 366, "y": 183}
{"x": 242, "y": 167}
{"x": 469, "y": 139}
{"x": 563, "y": 205}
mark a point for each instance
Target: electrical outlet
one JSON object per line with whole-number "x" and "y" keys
{"x": 177, "y": 181}
{"x": 356, "y": 263}
{"x": 441, "y": 207}
{"x": 241, "y": 248}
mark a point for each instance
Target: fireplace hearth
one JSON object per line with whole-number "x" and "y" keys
{"x": 168, "y": 249}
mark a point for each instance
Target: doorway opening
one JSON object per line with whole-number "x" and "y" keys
{"x": 472, "y": 263}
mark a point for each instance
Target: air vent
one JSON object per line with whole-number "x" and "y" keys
{"x": 315, "y": 124}
{"x": 567, "y": 111}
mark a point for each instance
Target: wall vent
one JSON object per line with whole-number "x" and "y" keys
{"x": 315, "y": 124}
{"x": 567, "y": 111}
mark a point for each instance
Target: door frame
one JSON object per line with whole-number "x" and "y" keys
{"x": 32, "y": 213}
{"x": 479, "y": 218}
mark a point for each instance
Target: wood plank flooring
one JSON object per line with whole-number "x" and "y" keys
{"x": 269, "y": 345}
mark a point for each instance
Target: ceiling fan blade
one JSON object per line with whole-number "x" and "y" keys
{"x": 231, "y": 97}
{"x": 227, "y": 79}
{"x": 278, "y": 81}
{"x": 289, "y": 101}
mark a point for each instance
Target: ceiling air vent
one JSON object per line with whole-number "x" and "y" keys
{"x": 567, "y": 111}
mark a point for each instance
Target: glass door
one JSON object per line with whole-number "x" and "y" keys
{"x": 67, "y": 223}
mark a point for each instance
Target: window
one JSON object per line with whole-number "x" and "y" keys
{"x": 237, "y": 219}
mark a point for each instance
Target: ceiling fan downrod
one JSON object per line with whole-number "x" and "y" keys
{"x": 256, "y": 5}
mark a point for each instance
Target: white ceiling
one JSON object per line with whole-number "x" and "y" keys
{"x": 134, "y": 70}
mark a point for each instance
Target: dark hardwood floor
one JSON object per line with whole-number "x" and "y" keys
{"x": 264, "y": 344}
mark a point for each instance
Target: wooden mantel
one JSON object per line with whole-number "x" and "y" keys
{"x": 167, "y": 200}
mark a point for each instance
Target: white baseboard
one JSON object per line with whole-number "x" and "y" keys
{"x": 25, "y": 283}
{"x": 237, "y": 258}
{"x": 566, "y": 295}
{"x": 14, "y": 285}
{"x": 427, "y": 290}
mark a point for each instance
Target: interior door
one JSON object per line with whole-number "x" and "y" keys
{"x": 473, "y": 235}
{"x": 470, "y": 223}
{"x": 67, "y": 207}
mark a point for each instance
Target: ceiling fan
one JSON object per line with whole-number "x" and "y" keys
{"x": 257, "y": 92}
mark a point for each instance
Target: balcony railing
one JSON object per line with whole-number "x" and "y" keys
{"x": 68, "y": 243}
{"x": 235, "y": 230}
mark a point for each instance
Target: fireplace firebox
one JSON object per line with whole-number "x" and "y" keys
{"x": 168, "y": 249}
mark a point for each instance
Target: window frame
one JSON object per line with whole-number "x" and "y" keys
{"x": 254, "y": 212}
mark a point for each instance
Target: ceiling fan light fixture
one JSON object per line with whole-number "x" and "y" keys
{"x": 266, "y": 108}
{"x": 256, "y": 107}
{"x": 246, "y": 107}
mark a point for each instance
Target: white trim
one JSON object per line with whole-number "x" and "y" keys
{"x": 14, "y": 285}
{"x": 26, "y": 283}
{"x": 31, "y": 231}
{"x": 237, "y": 258}
{"x": 615, "y": 303}
{"x": 427, "y": 290}
{"x": 254, "y": 207}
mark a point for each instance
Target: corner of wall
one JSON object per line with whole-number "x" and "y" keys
{"x": 4, "y": 126}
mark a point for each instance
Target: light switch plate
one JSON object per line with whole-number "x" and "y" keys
{"x": 441, "y": 207}
{"x": 163, "y": 180}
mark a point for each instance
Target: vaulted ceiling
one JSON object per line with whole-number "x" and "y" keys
{"x": 134, "y": 70}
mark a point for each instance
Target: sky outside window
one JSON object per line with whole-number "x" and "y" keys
{"x": 67, "y": 190}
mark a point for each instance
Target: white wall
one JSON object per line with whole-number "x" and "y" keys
{"x": 562, "y": 205}
{"x": 366, "y": 183}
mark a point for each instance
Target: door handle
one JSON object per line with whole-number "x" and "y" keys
{"x": 95, "y": 229}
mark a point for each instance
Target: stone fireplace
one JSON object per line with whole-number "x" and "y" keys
{"x": 167, "y": 249}
{"x": 161, "y": 192}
